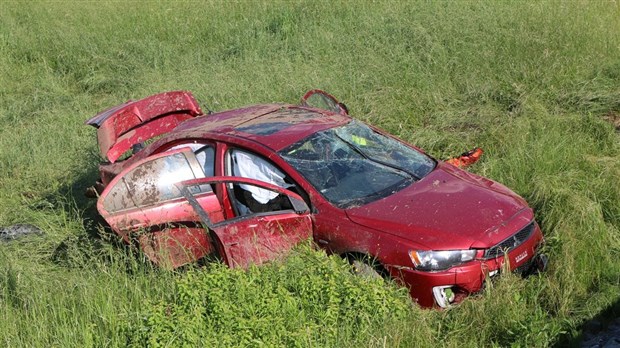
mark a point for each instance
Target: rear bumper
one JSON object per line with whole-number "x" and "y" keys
{"x": 440, "y": 289}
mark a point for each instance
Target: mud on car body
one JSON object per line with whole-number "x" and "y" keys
{"x": 246, "y": 185}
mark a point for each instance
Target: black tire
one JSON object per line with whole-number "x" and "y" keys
{"x": 367, "y": 266}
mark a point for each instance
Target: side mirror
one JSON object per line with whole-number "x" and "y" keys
{"x": 299, "y": 206}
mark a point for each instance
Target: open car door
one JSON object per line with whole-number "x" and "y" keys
{"x": 319, "y": 99}
{"x": 142, "y": 205}
{"x": 256, "y": 237}
{"x": 175, "y": 224}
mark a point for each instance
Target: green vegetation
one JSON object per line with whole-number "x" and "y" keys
{"x": 533, "y": 83}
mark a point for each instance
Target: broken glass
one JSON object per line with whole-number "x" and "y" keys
{"x": 353, "y": 165}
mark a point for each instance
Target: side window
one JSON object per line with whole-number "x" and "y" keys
{"x": 252, "y": 199}
{"x": 206, "y": 158}
{"x": 153, "y": 182}
{"x": 205, "y": 154}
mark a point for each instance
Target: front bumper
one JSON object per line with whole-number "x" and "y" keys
{"x": 444, "y": 288}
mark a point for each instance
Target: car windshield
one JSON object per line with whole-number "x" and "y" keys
{"x": 353, "y": 165}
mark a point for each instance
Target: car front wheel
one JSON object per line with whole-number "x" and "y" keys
{"x": 366, "y": 266}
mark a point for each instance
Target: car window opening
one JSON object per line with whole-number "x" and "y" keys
{"x": 152, "y": 182}
{"x": 251, "y": 199}
{"x": 205, "y": 154}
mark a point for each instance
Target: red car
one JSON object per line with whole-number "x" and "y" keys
{"x": 246, "y": 185}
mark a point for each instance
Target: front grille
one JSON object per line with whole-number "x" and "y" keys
{"x": 510, "y": 243}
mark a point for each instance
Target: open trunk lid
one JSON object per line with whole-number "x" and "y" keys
{"x": 122, "y": 126}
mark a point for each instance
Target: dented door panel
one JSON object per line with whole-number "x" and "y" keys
{"x": 142, "y": 203}
{"x": 255, "y": 238}
{"x": 175, "y": 211}
{"x": 175, "y": 246}
{"x": 260, "y": 239}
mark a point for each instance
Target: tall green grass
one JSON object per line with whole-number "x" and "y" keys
{"x": 530, "y": 82}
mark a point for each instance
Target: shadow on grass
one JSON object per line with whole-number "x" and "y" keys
{"x": 93, "y": 244}
{"x": 96, "y": 245}
{"x": 603, "y": 330}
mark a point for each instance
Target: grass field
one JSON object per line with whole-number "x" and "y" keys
{"x": 533, "y": 83}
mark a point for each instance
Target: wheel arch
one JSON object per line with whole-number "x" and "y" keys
{"x": 373, "y": 261}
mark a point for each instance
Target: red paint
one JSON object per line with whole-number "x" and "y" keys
{"x": 449, "y": 209}
{"x": 160, "y": 112}
{"x": 175, "y": 247}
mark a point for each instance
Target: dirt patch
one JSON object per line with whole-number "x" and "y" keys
{"x": 613, "y": 117}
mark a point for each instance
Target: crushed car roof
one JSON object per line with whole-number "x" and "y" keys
{"x": 274, "y": 125}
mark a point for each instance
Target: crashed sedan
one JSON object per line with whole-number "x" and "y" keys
{"x": 245, "y": 186}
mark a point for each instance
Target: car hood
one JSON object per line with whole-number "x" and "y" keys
{"x": 447, "y": 209}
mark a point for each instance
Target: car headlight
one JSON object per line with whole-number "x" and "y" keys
{"x": 440, "y": 260}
